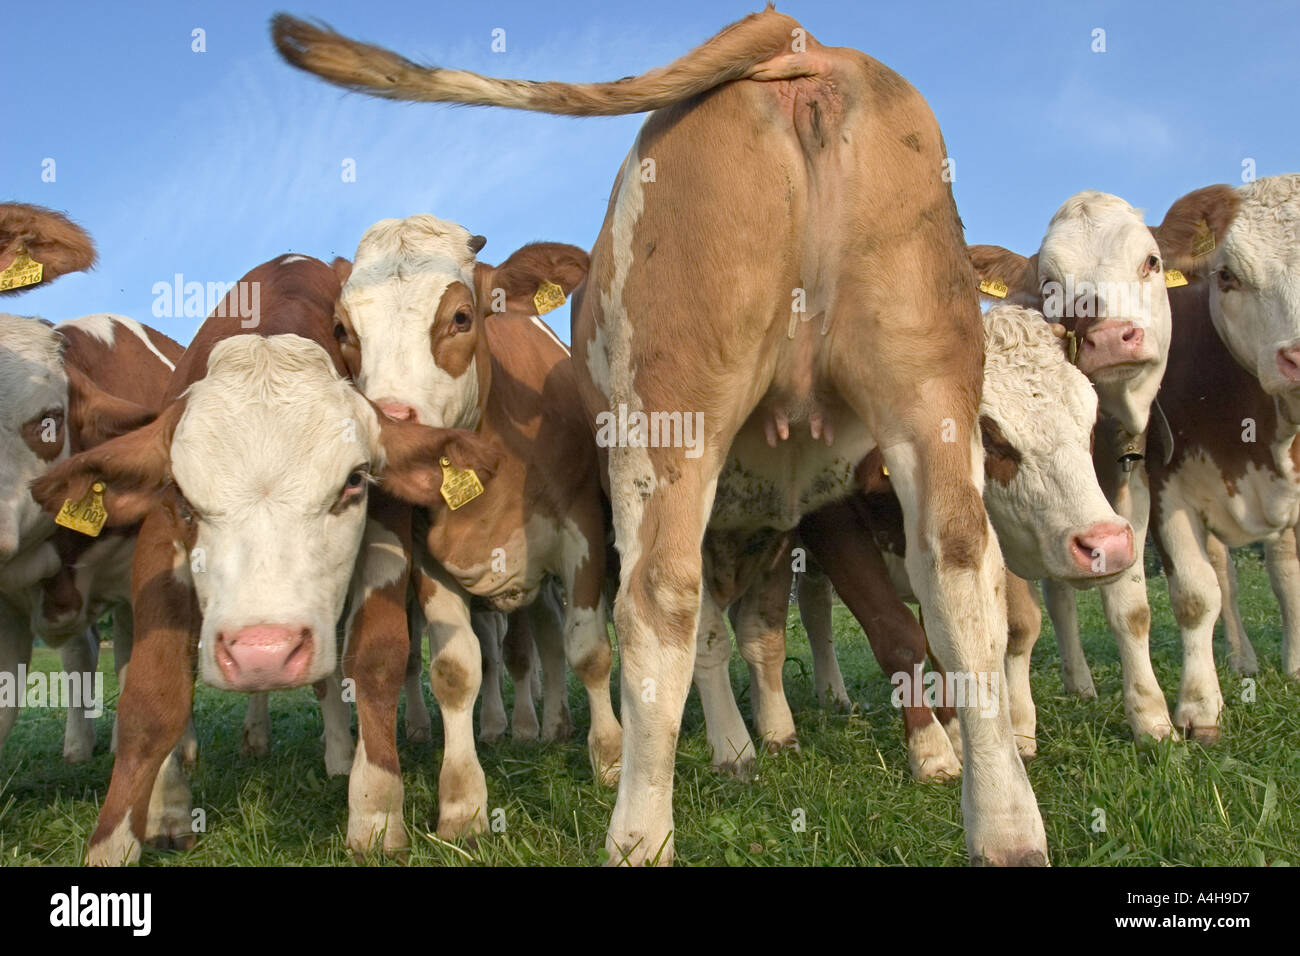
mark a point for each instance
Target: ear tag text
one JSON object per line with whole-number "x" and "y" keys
{"x": 460, "y": 486}
{"x": 88, "y": 515}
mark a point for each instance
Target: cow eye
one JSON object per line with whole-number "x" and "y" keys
{"x": 1227, "y": 279}
{"x": 356, "y": 480}
{"x": 340, "y": 332}
{"x": 1152, "y": 265}
{"x": 461, "y": 321}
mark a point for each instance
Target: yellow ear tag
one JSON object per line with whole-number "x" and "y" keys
{"x": 460, "y": 486}
{"x": 1174, "y": 278}
{"x": 547, "y": 297}
{"x": 87, "y": 515}
{"x": 1074, "y": 347}
{"x": 23, "y": 271}
{"x": 884, "y": 470}
{"x": 994, "y": 287}
{"x": 1203, "y": 241}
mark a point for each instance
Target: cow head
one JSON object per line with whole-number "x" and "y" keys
{"x": 47, "y": 410}
{"x": 1246, "y": 242}
{"x": 411, "y": 314}
{"x": 48, "y": 237}
{"x": 1100, "y": 274}
{"x": 262, "y": 469}
{"x": 1036, "y": 418}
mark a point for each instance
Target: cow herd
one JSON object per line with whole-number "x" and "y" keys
{"x": 781, "y": 380}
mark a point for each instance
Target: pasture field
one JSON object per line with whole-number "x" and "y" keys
{"x": 1176, "y": 804}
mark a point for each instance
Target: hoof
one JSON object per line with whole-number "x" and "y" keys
{"x": 1012, "y": 858}
{"x": 419, "y": 734}
{"x": 1205, "y": 736}
{"x": 741, "y": 769}
{"x": 790, "y": 743}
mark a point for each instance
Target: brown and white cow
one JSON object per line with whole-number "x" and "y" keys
{"x": 781, "y": 255}
{"x": 1036, "y": 420}
{"x": 436, "y": 337}
{"x": 252, "y": 485}
{"x": 1100, "y": 273}
{"x": 64, "y": 389}
{"x": 1225, "y": 465}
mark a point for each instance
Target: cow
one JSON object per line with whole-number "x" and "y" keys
{"x": 1036, "y": 421}
{"x": 781, "y": 258}
{"x": 38, "y": 245}
{"x": 436, "y": 337}
{"x": 67, "y": 388}
{"x": 1222, "y": 461}
{"x": 253, "y": 486}
{"x": 1099, "y": 272}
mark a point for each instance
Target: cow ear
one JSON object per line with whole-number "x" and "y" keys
{"x": 527, "y": 279}
{"x": 1195, "y": 225}
{"x": 95, "y": 416}
{"x": 412, "y": 469}
{"x": 342, "y": 269}
{"x": 48, "y": 237}
{"x": 1000, "y": 270}
{"x": 134, "y": 468}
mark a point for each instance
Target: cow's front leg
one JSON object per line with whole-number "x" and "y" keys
{"x": 956, "y": 569}
{"x": 1195, "y": 599}
{"x": 586, "y": 648}
{"x": 815, "y": 603}
{"x": 733, "y": 751}
{"x": 1128, "y": 612}
{"x": 255, "y": 738}
{"x": 148, "y": 795}
{"x": 1284, "y": 575}
{"x": 456, "y": 673}
{"x": 1063, "y": 612}
{"x": 377, "y": 648}
{"x": 1241, "y": 653}
{"x": 336, "y": 714}
{"x": 760, "y": 635}
{"x": 15, "y": 656}
{"x": 1024, "y": 624}
{"x": 80, "y": 655}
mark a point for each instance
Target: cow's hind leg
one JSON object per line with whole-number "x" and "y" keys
{"x": 255, "y": 738}
{"x": 419, "y": 723}
{"x": 15, "y": 656}
{"x": 1241, "y": 653}
{"x": 522, "y": 661}
{"x": 659, "y": 528}
{"x": 490, "y": 629}
{"x": 760, "y": 635}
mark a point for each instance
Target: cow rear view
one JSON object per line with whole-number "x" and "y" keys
{"x": 782, "y": 263}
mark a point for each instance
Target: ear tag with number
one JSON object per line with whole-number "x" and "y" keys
{"x": 460, "y": 486}
{"x": 23, "y": 271}
{"x": 87, "y": 515}
{"x": 1174, "y": 278}
{"x": 994, "y": 287}
{"x": 548, "y": 296}
{"x": 1203, "y": 241}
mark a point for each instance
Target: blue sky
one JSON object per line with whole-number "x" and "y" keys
{"x": 206, "y": 164}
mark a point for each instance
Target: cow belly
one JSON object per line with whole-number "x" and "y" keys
{"x": 1254, "y": 507}
{"x": 765, "y": 487}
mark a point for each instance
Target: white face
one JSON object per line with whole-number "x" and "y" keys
{"x": 1255, "y": 285}
{"x": 1100, "y": 269}
{"x": 394, "y": 299}
{"x": 33, "y": 433}
{"x": 273, "y": 455}
{"x": 1049, "y": 513}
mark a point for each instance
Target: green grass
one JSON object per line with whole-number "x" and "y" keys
{"x": 1178, "y": 804}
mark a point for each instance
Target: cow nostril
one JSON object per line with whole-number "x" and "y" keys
{"x": 1133, "y": 336}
